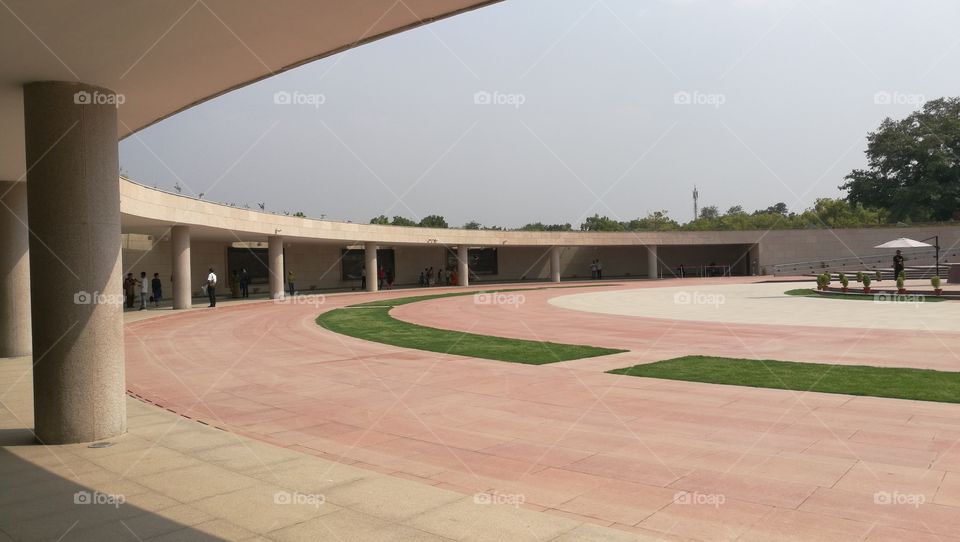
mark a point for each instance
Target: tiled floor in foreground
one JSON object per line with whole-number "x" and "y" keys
{"x": 171, "y": 478}
{"x": 676, "y": 460}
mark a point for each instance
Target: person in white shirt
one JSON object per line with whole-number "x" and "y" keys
{"x": 144, "y": 290}
{"x": 212, "y": 288}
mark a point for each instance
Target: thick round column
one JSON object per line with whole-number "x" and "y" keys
{"x": 182, "y": 282}
{"x": 370, "y": 259}
{"x": 653, "y": 261}
{"x": 76, "y": 291}
{"x": 275, "y": 261}
{"x": 14, "y": 271}
{"x": 555, "y": 264}
{"x": 463, "y": 265}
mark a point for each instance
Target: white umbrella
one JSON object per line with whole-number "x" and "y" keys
{"x": 903, "y": 242}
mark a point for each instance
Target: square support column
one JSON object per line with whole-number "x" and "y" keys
{"x": 653, "y": 262}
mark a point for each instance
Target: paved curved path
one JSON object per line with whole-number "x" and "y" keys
{"x": 663, "y": 459}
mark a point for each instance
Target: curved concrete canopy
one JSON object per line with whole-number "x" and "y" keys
{"x": 165, "y": 56}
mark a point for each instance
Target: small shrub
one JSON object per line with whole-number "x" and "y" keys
{"x": 935, "y": 282}
{"x": 844, "y": 281}
{"x": 900, "y": 282}
{"x": 860, "y": 276}
{"x": 866, "y": 281}
{"x": 878, "y": 275}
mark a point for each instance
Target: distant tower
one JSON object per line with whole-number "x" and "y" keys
{"x": 696, "y": 206}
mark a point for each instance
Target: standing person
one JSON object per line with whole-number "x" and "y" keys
{"x": 430, "y": 276}
{"x": 290, "y": 283}
{"x": 157, "y": 288}
{"x": 212, "y": 288}
{"x": 244, "y": 283}
{"x": 599, "y": 270}
{"x": 593, "y": 269}
{"x": 389, "y": 279}
{"x": 423, "y": 278}
{"x": 363, "y": 277}
{"x": 144, "y": 290}
{"x": 129, "y": 289}
{"x": 440, "y": 277}
{"x": 381, "y": 275}
{"x": 897, "y": 265}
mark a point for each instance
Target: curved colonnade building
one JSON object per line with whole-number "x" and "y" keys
{"x": 69, "y": 227}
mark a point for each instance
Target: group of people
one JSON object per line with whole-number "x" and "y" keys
{"x": 132, "y": 286}
{"x": 596, "y": 270}
{"x": 441, "y": 277}
{"x": 385, "y": 278}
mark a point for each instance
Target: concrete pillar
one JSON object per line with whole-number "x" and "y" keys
{"x": 14, "y": 271}
{"x": 653, "y": 262}
{"x": 275, "y": 261}
{"x": 73, "y": 203}
{"x": 463, "y": 265}
{"x": 370, "y": 264}
{"x": 555, "y": 264}
{"x": 182, "y": 282}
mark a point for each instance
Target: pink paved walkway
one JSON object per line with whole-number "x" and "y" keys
{"x": 666, "y": 459}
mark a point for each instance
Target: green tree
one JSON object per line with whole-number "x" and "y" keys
{"x": 402, "y": 221}
{"x": 540, "y": 226}
{"x": 433, "y": 221}
{"x": 601, "y": 223}
{"x": 710, "y": 212}
{"x": 839, "y": 213}
{"x": 472, "y": 225}
{"x": 913, "y": 169}
{"x": 382, "y": 220}
{"x": 654, "y": 221}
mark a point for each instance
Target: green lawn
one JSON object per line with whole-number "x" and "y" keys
{"x": 898, "y": 383}
{"x": 372, "y": 322}
{"x": 904, "y": 298}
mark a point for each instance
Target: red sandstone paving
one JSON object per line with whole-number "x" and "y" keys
{"x": 574, "y": 441}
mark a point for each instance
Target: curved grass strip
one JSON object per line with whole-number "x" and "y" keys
{"x": 372, "y": 322}
{"x": 889, "y": 382}
{"x": 879, "y": 297}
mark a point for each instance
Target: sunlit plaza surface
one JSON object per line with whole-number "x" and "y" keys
{"x": 242, "y": 415}
{"x": 232, "y": 306}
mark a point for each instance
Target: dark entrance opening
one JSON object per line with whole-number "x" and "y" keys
{"x": 254, "y": 259}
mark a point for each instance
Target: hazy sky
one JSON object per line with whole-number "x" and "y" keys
{"x": 615, "y": 107}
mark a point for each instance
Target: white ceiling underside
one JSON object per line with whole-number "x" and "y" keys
{"x": 167, "y": 55}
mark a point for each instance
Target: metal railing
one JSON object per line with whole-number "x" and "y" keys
{"x": 873, "y": 261}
